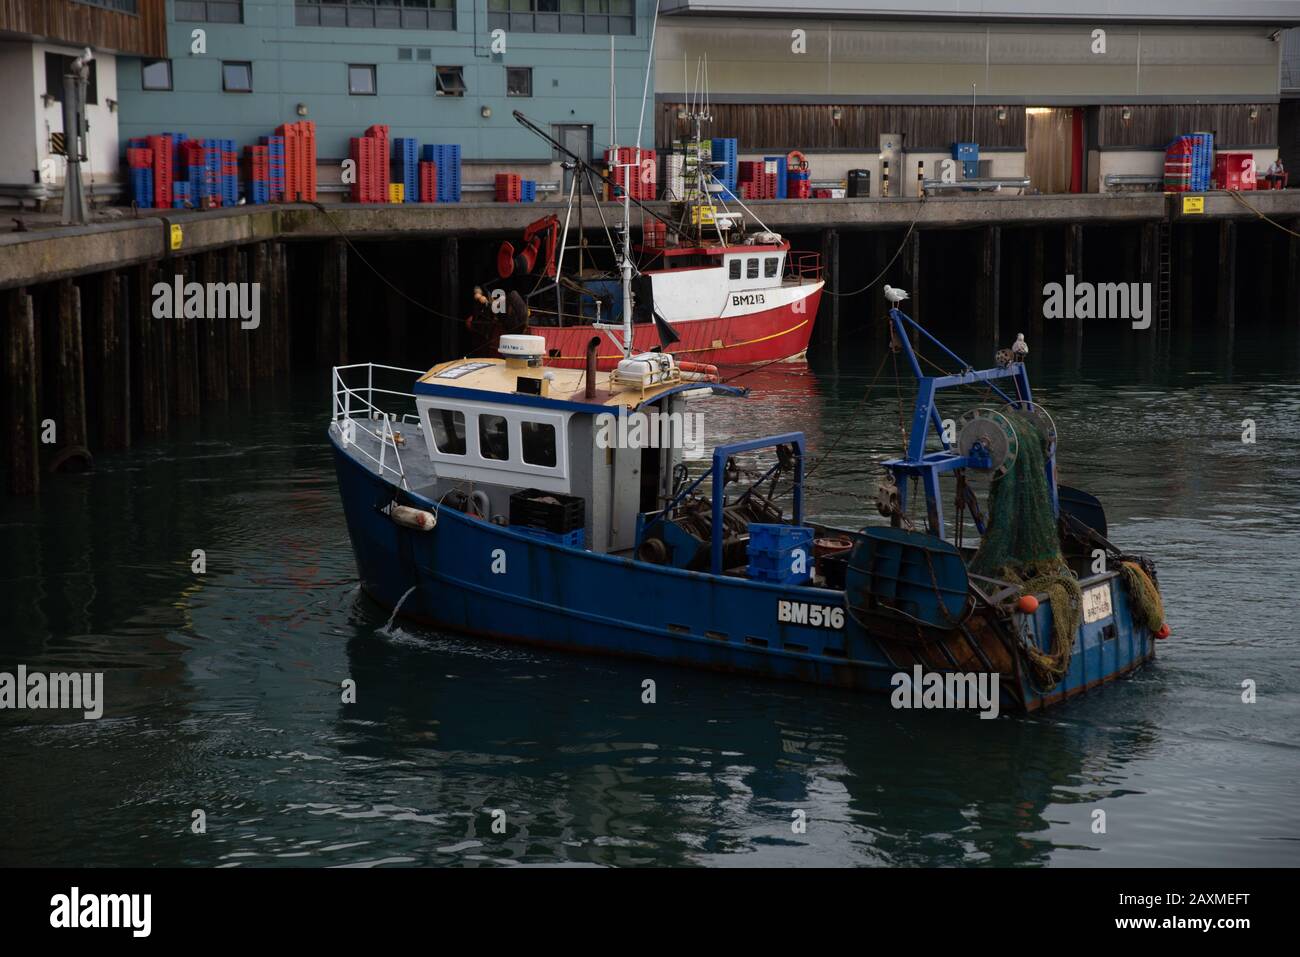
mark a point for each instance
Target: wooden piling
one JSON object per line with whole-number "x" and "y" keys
{"x": 280, "y": 307}
{"x": 1227, "y": 292}
{"x": 113, "y": 363}
{"x": 332, "y": 345}
{"x": 451, "y": 306}
{"x": 146, "y": 383}
{"x": 1074, "y": 267}
{"x": 1036, "y": 282}
{"x": 70, "y": 379}
{"x": 261, "y": 341}
{"x": 235, "y": 267}
{"x": 828, "y": 332}
{"x": 1186, "y": 275}
{"x": 214, "y": 350}
{"x": 988, "y": 307}
{"x": 23, "y": 426}
{"x": 185, "y": 337}
{"x": 1291, "y": 309}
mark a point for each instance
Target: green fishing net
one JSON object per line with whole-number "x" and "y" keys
{"x": 1021, "y": 545}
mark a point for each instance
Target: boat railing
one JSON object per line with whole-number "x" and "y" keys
{"x": 803, "y": 267}
{"x": 355, "y": 405}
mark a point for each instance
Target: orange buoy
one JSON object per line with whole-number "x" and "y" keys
{"x": 1028, "y": 604}
{"x": 1164, "y": 631}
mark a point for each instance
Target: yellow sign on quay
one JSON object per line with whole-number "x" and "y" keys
{"x": 177, "y": 236}
{"x": 1193, "y": 204}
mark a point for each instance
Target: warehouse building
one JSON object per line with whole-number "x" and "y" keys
{"x": 440, "y": 71}
{"x": 1078, "y": 98}
{"x": 38, "y": 40}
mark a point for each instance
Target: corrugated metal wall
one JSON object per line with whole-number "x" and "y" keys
{"x": 80, "y": 24}
{"x": 1152, "y": 127}
{"x": 785, "y": 126}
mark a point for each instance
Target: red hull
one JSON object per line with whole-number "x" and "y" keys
{"x": 738, "y": 340}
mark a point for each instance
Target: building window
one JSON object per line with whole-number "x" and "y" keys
{"x": 155, "y": 74}
{"x": 751, "y": 269}
{"x": 448, "y": 427}
{"x": 769, "y": 267}
{"x": 404, "y": 54}
{"x": 735, "y": 269}
{"x": 57, "y": 66}
{"x": 237, "y": 76}
{"x": 538, "y": 443}
{"x": 519, "y": 81}
{"x": 384, "y": 14}
{"x": 210, "y": 11}
{"x": 451, "y": 80}
{"x": 121, "y": 6}
{"x": 493, "y": 438}
{"x": 361, "y": 79}
{"x": 563, "y": 16}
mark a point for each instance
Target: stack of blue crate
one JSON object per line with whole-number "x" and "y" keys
{"x": 724, "y": 152}
{"x": 528, "y": 191}
{"x": 1202, "y": 161}
{"x": 447, "y": 159}
{"x": 780, "y": 553}
{"x": 406, "y": 154}
{"x": 782, "y": 168}
{"x": 229, "y": 173}
{"x": 181, "y": 197}
{"x": 574, "y": 539}
{"x": 142, "y": 188}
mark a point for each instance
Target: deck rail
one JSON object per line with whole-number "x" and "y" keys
{"x": 354, "y": 405}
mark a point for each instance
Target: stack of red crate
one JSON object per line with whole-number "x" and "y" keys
{"x": 163, "y": 170}
{"x": 362, "y": 152}
{"x": 644, "y": 178}
{"x": 428, "y": 182}
{"x": 654, "y": 233}
{"x": 139, "y": 158}
{"x": 755, "y": 180}
{"x": 299, "y": 160}
{"x": 382, "y": 136}
{"x": 509, "y": 187}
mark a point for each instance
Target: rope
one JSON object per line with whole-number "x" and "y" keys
{"x": 898, "y": 252}
{"x": 1148, "y": 608}
{"x": 1272, "y": 222}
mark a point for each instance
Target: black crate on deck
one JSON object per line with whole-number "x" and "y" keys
{"x": 833, "y": 569}
{"x": 859, "y": 183}
{"x": 547, "y": 510}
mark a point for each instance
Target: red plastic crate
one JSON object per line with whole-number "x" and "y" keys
{"x": 139, "y": 158}
{"x": 1235, "y": 171}
{"x": 428, "y": 182}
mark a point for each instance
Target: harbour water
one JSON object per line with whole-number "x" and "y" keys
{"x": 223, "y": 688}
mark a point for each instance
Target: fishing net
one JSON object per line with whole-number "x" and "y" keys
{"x": 1021, "y": 545}
{"x": 1143, "y": 596}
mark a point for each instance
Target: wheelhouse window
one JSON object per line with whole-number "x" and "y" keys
{"x": 155, "y": 74}
{"x": 538, "y": 442}
{"x": 735, "y": 269}
{"x": 751, "y": 268}
{"x": 493, "y": 437}
{"x": 770, "y": 265}
{"x": 448, "y": 428}
{"x": 237, "y": 77}
{"x": 451, "y": 80}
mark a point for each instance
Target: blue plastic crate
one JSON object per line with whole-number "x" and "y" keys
{"x": 772, "y": 538}
{"x": 782, "y": 170}
{"x": 574, "y": 539}
{"x": 528, "y": 190}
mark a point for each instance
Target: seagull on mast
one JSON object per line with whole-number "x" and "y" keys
{"x": 1020, "y": 348}
{"x": 895, "y": 295}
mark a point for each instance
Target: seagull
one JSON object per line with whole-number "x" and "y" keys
{"x": 1020, "y": 348}
{"x": 895, "y": 295}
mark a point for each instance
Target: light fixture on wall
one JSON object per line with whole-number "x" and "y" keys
{"x": 48, "y": 99}
{"x": 836, "y": 115}
{"x": 1002, "y": 114}
{"x": 302, "y": 109}
{"x": 112, "y": 105}
{"x": 1254, "y": 112}
{"x": 1126, "y": 114}
{"x": 485, "y": 112}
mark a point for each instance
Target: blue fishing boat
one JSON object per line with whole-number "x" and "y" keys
{"x": 501, "y": 498}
